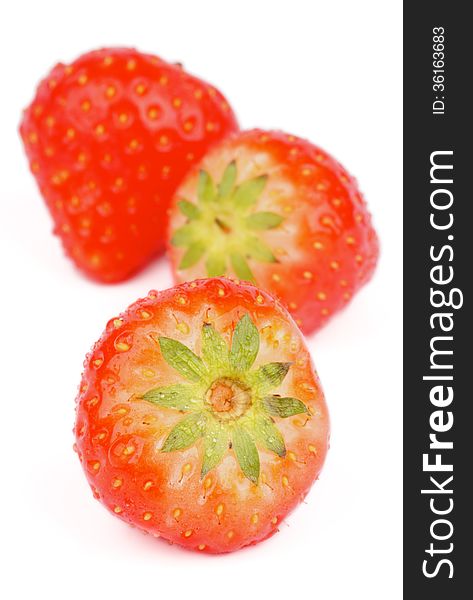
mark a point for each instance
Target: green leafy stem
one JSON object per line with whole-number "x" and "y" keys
{"x": 222, "y": 229}
{"x": 247, "y": 424}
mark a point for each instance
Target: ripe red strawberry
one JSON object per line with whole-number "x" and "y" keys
{"x": 109, "y": 137}
{"x": 200, "y": 418}
{"x": 276, "y": 210}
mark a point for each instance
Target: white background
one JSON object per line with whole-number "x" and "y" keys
{"x": 326, "y": 70}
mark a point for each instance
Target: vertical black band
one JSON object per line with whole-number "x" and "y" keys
{"x": 438, "y": 267}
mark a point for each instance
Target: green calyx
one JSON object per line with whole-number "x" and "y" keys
{"x": 227, "y": 404}
{"x": 223, "y": 228}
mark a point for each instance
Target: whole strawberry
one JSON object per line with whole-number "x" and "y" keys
{"x": 276, "y": 210}
{"x": 200, "y": 417}
{"x": 109, "y": 137}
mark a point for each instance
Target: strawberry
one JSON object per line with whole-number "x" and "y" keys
{"x": 200, "y": 417}
{"x": 276, "y": 210}
{"x": 109, "y": 137}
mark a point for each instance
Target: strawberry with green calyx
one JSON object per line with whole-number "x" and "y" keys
{"x": 275, "y": 210}
{"x": 200, "y": 418}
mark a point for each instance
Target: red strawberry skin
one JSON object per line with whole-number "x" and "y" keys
{"x": 120, "y": 436}
{"x": 108, "y": 139}
{"x": 319, "y": 245}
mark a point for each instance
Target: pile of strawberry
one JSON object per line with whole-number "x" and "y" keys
{"x": 200, "y": 417}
